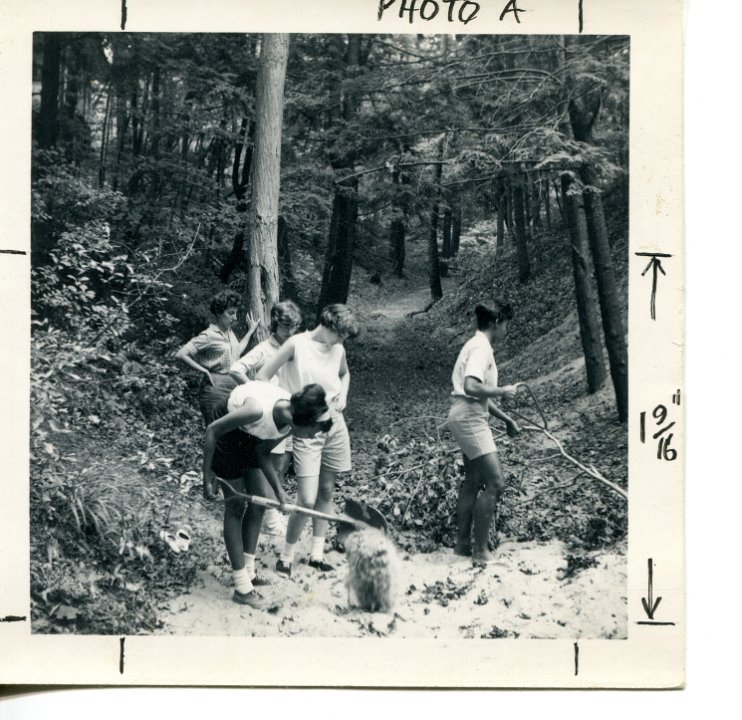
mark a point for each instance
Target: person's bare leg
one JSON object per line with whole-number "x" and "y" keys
{"x": 234, "y": 509}
{"x": 468, "y": 491}
{"x": 490, "y": 471}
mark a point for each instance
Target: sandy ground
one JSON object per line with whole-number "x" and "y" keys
{"x": 521, "y": 594}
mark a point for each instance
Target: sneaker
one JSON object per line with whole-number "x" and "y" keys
{"x": 283, "y": 568}
{"x": 321, "y": 565}
{"x": 260, "y": 581}
{"x": 254, "y": 599}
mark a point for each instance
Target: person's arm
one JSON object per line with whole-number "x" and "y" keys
{"x": 513, "y": 428}
{"x": 344, "y": 374}
{"x": 475, "y": 388}
{"x": 284, "y": 354}
{"x": 252, "y": 326}
{"x": 184, "y": 355}
{"x": 248, "y": 413}
{"x": 266, "y": 465}
{"x": 251, "y": 362}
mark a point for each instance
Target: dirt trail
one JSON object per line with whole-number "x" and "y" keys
{"x": 527, "y": 592}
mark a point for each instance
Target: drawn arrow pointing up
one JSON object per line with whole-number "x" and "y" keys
{"x": 656, "y": 266}
{"x": 649, "y": 604}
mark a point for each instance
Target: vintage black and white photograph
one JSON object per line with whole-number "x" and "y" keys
{"x": 330, "y": 335}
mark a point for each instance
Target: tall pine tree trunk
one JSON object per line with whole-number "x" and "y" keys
{"x": 289, "y": 291}
{"x": 434, "y": 270}
{"x": 587, "y": 310}
{"x": 521, "y": 245}
{"x": 48, "y": 127}
{"x": 447, "y": 249}
{"x": 341, "y": 241}
{"x": 262, "y": 274}
{"x": 582, "y": 114}
{"x": 456, "y": 227}
{"x": 340, "y": 245}
{"x": 397, "y": 226}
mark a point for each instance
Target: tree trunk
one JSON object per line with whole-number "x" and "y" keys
{"x": 434, "y": 270}
{"x": 342, "y": 239}
{"x": 397, "y": 238}
{"x": 582, "y": 115}
{"x": 587, "y": 309}
{"x": 397, "y": 226}
{"x": 49, "y": 111}
{"x": 547, "y": 204}
{"x": 500, "y": 209}
{"x": 521, "y": 246}
{"x": 447, "y": 249}
{"x": 262, "y": 276}
{"x": 340, "y": 246}
{"x": 456, "y": 227}
{"x": 288, "y": 283}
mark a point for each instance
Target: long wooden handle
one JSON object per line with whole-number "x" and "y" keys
{"x": 267, "y": 503}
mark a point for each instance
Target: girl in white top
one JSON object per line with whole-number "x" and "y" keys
{"x": 285, "y": 320}
{"x": 474, "y": 382}
{"x": 255, "y": 417}
{"x": 317, "y": 356}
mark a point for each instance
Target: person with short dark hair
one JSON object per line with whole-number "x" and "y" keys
{"x": 213, "y": 351}
{"x": 317, "y": 356}
{"x": 245, "y": 427}
{"x": 475, "y": 388}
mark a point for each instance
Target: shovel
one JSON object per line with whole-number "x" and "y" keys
{"x": 358, "y": 515}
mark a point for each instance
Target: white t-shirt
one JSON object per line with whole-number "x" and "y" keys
{"x": 259, "y": 356}
{"x": 267, "y": 395}
{"x": 476, "y": 359}
{"x": 315, "y": 362}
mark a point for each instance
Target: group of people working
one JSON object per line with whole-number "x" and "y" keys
{"x": 285, "y": 399}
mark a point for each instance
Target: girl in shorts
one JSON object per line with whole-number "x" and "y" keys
{"x": 213, "y": 351}
{"x": 285, "y": 320}
{"x": 317, "y": 356}
{"x": 475, "y": 387}
{"x": 237, "y": 449}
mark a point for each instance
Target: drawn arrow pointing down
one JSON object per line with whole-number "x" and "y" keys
{"x": 649, "y": 604}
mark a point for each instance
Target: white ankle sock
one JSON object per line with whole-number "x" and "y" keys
{"x": 242, "y": 581}
{"x": 318, "y": 549}
{"x": 287, "y": 556}
{"x": 250, "y": 565}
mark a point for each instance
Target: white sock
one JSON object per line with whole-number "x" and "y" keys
{"x": 318, "y": 549}
{"x": 250, "y": 565}
{"x": 242, "y": 581}
{"x": 287, "y": 556}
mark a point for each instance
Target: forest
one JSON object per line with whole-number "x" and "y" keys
{"x": 408, "y": 176}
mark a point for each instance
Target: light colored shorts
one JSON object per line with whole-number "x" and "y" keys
{"x": 468, "y": 423}
{"x": 284, "y": 446}
{"x": 330, "y": 450}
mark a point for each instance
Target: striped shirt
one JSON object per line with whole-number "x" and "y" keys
{"x": 213, "y": 349}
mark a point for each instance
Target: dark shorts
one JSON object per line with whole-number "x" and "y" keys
{"x": 210, "y": 396}
{"x": 235, "y": 451}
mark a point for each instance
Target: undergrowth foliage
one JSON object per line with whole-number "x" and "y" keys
{"x": 105, "y": 401}
{"x": 416, "y": 484}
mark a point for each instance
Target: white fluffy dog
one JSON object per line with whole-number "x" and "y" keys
{"x": 373, "y": 571}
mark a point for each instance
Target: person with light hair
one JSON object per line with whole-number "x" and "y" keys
{"x": 317, "y": 356}
{"x": 285, "y": 321}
